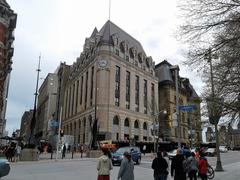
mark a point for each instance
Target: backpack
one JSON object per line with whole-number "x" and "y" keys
{"x": 185, "y": 165}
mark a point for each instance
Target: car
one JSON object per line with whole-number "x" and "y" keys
{"x": 223, "y": 149}
{"x": 134, "y": 151}
{"x": 172, "y": 153}
{"x": 4, "y": 167}
{"x": 210, "y": 152}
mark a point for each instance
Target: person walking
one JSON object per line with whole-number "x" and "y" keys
{"x": 104, "y": 166}
{"x": 193, "y": 167}
{"x": 64, "y": 151}
{"x": 126, "y": 168}
{"x": 160, "y": 165}
{"x": 17, "y": 153}
{"x": 144, "y": 149}
{"x": 203, "y": 166}
{"x": 177, "y": 166}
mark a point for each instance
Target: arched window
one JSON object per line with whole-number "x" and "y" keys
{"x": 136, "y": 125}
{"x": 145, "y": 126}
{"x": 74, "y": 125}
{"x": 84, "y": 122}
{"x": 115, "y": 120}
{"x": 126, "y": 122}
{"x": 90, "y": 120}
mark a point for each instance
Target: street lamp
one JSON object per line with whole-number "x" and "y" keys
{"x": 176, "y": 69}
{"x": 215, "y": 113}
{"x": 157, "y": 119}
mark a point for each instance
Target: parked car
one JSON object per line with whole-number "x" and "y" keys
{"x": 236, "y": 148}
{"x": 134, "y": 151}
{"x": 223, "y": 149}
{"x": 4, "y": 167}
{"x": 210, "y": 152}
{"x": 172, "y": 153}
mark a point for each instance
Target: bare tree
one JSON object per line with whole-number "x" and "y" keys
{"x": 215, "y": 25}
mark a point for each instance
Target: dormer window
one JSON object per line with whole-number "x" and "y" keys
{"x": 147, "y": 62}
{"x": 122, "y": 48}
{"x": 131, "y": 53}
{"x": 140, "y": 58}
{"x": 117, "y": 52}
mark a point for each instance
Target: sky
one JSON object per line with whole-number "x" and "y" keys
{"x": 57, "y": 29}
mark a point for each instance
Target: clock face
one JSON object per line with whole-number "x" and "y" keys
{"x": 103, "y": 63}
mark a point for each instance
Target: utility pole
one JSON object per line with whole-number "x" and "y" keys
{"x": 219, "y": 163}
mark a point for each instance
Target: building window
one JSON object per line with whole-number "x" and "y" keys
{"x": 73, "y": 98}
{"x": 91, "y": 94}
{"x": 86, "y": 90}
{"x": 127, "y": 90}
{"x": 153, "y": 98}
{"x": 81, "y": 96}
{"x": 126, "y": 122}
{"x": 145, "y": 126}
{"x": 69, "y": 101}
{"x": 127, "y": 58}
{"x": 117, "y": 86}
{"x": 136, "y": 124}
{"x": 117, "y": 52}
{"x": 115, "y": 120}
{"x": 145, "y": 96}
{"x": 137, "y": 94}
{"x": 122, "y": 49}
{"x": 76, "y": 104}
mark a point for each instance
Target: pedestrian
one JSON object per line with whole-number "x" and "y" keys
{"x": 193, "y": 167}
{"x": 104, "y": 166}
{"x": 144, "y": 149}
{"x": 64, "y": 151}
{"x": 81, "y": 150}
{"x": 177, "y": 166}
{"x": 203, "y": 166}
{"x": 126, "y": 169}
{"x": 159, "y": 165}
{"x": 17, "y": 153}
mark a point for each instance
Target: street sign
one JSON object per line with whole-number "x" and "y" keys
{"x": 187, "y": 108}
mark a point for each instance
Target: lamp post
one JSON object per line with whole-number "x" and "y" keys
{"x": 157, "y": 119}
{"x": 215, "y": 120}
{"x": 33, "y": 120}
{"x": 176, "y": 69}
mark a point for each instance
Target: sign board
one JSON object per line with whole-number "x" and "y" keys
{"x": 52, "y": 123}
{"x": 187, "y": 108}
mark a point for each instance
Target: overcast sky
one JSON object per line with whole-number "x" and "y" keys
{"x": 57, "y": 29}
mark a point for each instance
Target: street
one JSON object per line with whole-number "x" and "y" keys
{"x": 82, "y": 169}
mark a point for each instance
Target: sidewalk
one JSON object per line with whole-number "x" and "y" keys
{"x": 231, "y": 172}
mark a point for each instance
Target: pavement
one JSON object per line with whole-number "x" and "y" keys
{"x": 85, "y": 168}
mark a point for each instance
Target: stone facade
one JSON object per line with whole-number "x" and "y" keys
{"x": 190, "y": 122}
{"x": 114, "y": 82}
{"x": 46, "y": 106}
{"x": 8, "y": 21}
{"x": 25, "y": 125}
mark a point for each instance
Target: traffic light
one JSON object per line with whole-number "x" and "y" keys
{"x": 61, "y": 133}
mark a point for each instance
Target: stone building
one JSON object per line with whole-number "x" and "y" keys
{"x": 25, "y": 125}
{"x": 46, "y": 107}
{"x": 190, "y": 122}
{"x": 234, "y": 137}
{"x": 114, "y": 82}
{"x": 8, "y": 21}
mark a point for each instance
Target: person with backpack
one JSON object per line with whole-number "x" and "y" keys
{"x": 177, "y": 169}
{"x": 160, "y": 165}
{"x": 203, "y": 166}
{"x": 192, "y": 167}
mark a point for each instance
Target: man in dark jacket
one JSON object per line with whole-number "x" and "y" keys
{"x": 177, "y": 166}
{"x": 160, "y": 165}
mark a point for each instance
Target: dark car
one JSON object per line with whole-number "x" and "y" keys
{"x": 134, "y": 151}
{"x": 4, "y": 167}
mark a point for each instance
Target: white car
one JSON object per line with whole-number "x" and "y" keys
{"x": 172, "y": 153}
{"x": 223, "y": 149}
